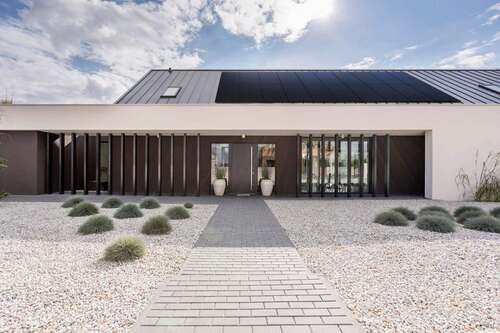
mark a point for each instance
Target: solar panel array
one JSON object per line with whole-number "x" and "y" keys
{"x": 326, "y": 87}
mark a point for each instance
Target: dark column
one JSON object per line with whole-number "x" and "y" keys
{"x": 98, "y": 164}
{"x": 309, "y": 163}
{"x": 198, "y": 164}
{"x": 160, "y": 159}
{"x": 322, "y": 165}
{"x": 146, "y": 164}
{"x": 48, "y": 164}
{"x": 134, "y": 164}
{"x": 299, "y": 165}
{"x": 184, "y": 144}
{"x": 110, "y": 164}
{"x": 61, "y": 163}
{"x": 374, "y": 165}
{"x": 349, "y": 165}
{"x": 361, "y": 148}
{"x": 85, "y": 163}
{"x": 172, "y": 136}
{"x": 73, "y": 164}
{"x": 122, "y": 164}
{"x": 336, "y": 172}
{"x": 387, "y": 165}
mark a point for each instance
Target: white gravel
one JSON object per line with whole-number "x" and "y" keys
{"x": 53, "y": 280}
{"x": 399, "y": 279}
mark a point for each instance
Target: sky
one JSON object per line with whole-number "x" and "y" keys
{"x": 91, "y": 51}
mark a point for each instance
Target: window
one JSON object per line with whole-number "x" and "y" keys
{"x": 220, "y": 159}
{"x": 267, "y": 160}
{"x": 491, "y": 87}
{"x": 171, "y": 92}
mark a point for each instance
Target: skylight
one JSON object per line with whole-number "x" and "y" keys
{"x": 491, "y": 87}
{"x": 171, "y": 92}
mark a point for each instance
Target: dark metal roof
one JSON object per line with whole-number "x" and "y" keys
{"x": 315, "y": 86}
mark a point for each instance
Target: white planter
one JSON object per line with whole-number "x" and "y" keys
{"x": 266, "y": 187}
{"x": 219, "y": 187}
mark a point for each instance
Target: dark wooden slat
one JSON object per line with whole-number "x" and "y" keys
{"x": 349, "y": 165}
{"x": 184, "y": 154}
{"x": 73, "y": 164}
{"x": 134, "y": 164}
{"x": 309, "y": 164}
{"x": 146, "y": 164}
{"x": 110, "y": 164}
{"x": 198, "y": 165}
{"x": 322, "y": 165}
{"x": 160, "y": 160}
{"x": 387, "y": 170}
{"x": 374, "y": 166}
{"x": 361, "y": 149}
{"x": 61, "y": 163}
{"x": 172, "y": 136}
{"x": 48, "y": 164}
{"x": 299, "y": 166}
{"x": 122, "y": 164}
{"x": 336, "y": 172}
{"x": 98, "y": 164}
{"x": 85, "y": 163}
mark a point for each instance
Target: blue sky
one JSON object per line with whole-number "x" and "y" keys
{"x": 90, "y": 51}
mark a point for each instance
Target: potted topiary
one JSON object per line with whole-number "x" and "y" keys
{"x": 220, "y": 182}
{"x": 266, "y": 184}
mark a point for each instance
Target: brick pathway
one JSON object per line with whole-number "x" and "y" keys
{"x": 253, "y": 289}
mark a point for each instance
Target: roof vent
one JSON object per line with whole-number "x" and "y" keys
{"x": 490, "y": 87}
{"x": 170, "y": 69}
{"x": 171, "y": 92}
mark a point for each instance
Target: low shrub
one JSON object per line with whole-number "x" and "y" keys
{"x": 391, "y": 218}
{"x": 495, "y": 212}
{"x": 112, "y": 203}
{"x": 96, "y": 225}
{"x": 83, "y": 209}
{"x": 150, "y": 203}
{"x": 462, "y": 209}
{"x": 483, "y": 223}
{"x": 178, "y": 213}
{"x": 435, "y": 223}
{"x": 128, "y": 211}
{"x": 408, "y": 213}
{"x": 435, "y": 210}
{"x": 188, "y": 205}
{"x": 470, "y": 214}
{"x": 125, "y": 248}
{"x": 71, "y": 202}
{"x": 156, "y": 225}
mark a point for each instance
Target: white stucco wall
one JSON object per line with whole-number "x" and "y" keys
{"x": 453, "y": 132}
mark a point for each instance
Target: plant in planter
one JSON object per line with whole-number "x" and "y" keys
{"x": 266, "y": 184}
{"x": 220, "y": 182}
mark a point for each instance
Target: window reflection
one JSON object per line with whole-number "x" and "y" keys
{"x": 266, "y": 154}
{"x": 220, "y": 159}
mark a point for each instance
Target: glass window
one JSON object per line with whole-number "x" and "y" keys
{"x": 266, "y": 153}
{"x": 355, "y": 165}
{"x": 329, "y": 165}
{"x": 343, "y": 188}
{"x": 104, "y": 163}
{"x": 171, "y": 92}
{"x": 220, "y": 159}
{"x": 316, "y": 165}
{"x": 304, "y": 166}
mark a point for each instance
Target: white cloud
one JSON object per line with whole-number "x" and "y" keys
{"x": 396, "y": 56}
{"x": 492, "y": 18}
{"x": 470, "y": 43}
{"x": 468, "y": 58}
{"x": 400, "y": 53}
{"x": 265, "y": 19}
{"x": 366, "y": 63}
{"x": 412, "y": 47}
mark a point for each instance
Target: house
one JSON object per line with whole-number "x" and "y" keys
{"x": 352, "y": 133}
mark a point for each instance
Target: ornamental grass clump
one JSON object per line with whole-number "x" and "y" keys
{"x": 495, "y": 212}
{"x": 128, "y": 211}
{"x": 150, "y": 203}
{"x": 83, "y": 209}
{"x": 435, "y": 210}
{"x": 188, "y": 205}
{"x": 408, "y": 213}
{"x": 483, "y": 223}
{"x": 470, "y": 214}
{"x": 72, "y": 202}
{"x": 96, "y": 225}
{"x": 156, "y": 225}
{"x": 112, "y": 203}
{"x": 462, "y": 209}
{"x": 178, "y": 213}
{"x": 125, "y": 248}
{"x": 435, "y": 223}
{"x": 391, "y": 218}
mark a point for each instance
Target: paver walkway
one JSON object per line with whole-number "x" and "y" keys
{"x": 247, "y": 289}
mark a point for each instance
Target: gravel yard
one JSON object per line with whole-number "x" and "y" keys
{"x": 398, "y": 279}
{"x": 52, "y": 279}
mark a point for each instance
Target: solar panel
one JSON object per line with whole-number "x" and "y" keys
{"x": 271, "y": 89}
{"x": 431, "y": 93}
{"x": 363, "y": 90}
{"x": 340, "y": 92}
{"x": 295, "y": 90}
{"x": 318, "y": 91}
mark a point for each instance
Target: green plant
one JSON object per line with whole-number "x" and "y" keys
{"x": 265, "y": 173}
{"x": 486, "y": 185}
{"x": 71, "y": 202}
{"x": 435, "y": 210}
{"x": 495, "y": 212}
{"x": 483, "y": 223}
{"x": 83, "y": 209}
{"x": 391, "y": 218}
{"x": 125, "y": 248}
{"x": 156, "y": 225}
{"x": 177, "y": 213}
{"x": 150, "y": 203}
{"x": 112, "y": 203}
{"x": 128, "y": 211}
{"x": 188, "y": 205}
{"x": 96, "y": 225}
{"x": 408, "y": 213}
{"x": 462, "y": 209}
{"x": 220, "y": 173}
{"x": 435, "y": 223}
{"x": 470, "y": 214}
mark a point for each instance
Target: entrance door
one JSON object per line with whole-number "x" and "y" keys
{"x": 241, "y": 168}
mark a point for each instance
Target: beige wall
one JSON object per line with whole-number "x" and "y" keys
{"x": 453, "y": 132}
